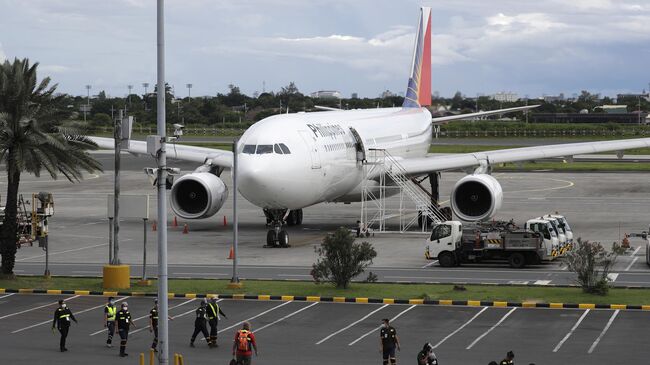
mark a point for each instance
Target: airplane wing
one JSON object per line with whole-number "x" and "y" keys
{"x": 449, "y": 118}
{"x": 423, "y": 165}
{"x": 176, "y": 151}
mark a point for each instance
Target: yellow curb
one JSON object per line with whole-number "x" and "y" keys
{"x": 109, "y": 293}
{"x": 389, "y": 301}
{"x": 361, "y": 300}
{"x": 587, "y": 306}
{"x": 25, "y": 291}
{"x": 313, "y": 299}
{"x": 645, "y": 307}
{"x": 474, "y": 303}
{"x": 445, "y": 302}
{"x": 556, "y": 305}
{"x": 3, "y": 291}
{"x": 142, "y": 294}
{"x": 287, "y": 298}
{"x": 500, "y": 304}
{"x": 416, "y": 301}
{"x": 82, "y": 292}
{"x": 190, "y": 295}
{"x": 238, "y": 296}
{"x": 529, "y": 304}
{"x": 618, "y": 306}
{"x": 339, "y": 299}
{"x": 264, "y": 297}
{"x": 54, "y": 292}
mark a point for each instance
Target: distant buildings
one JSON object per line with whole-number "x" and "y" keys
{"x": 505, "y": 96}
{"x": 355, "y": 96}
{"x": 326, "y": 94}
{"x": 633, "y": 96}
{"x": 387, "y": 94}
{"x": 553, "y": 98}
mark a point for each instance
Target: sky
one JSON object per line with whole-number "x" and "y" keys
{"x": 530, "y": 47}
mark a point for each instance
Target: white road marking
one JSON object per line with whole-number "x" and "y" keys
{"x": 612, "y": 277}
{"x": 430, "y": 264}
{"x": 296, "y": 275}
{"x": 35, "y": 308}
{"x": 378, "y": 327}
{"x": 90, "y": 224}
{"x": 575, "y": 326}
{"x": 609, "y": 323}
{"x": 255, "y": 316}
{"x": 8, "y": 295}
{"x": 542, "y": 282}
{"x": 352, "y": 324}
{"x": 518, "y": 282}
{"x": 460, "y": 328}
{"x": 285, "y": 317}
{"x": 139, "y": 318}
{"x": 50, "y": 321}
{"x": 62, "y": 252}
{"x": 631, "y": 264}
{"x": 635, "y": 251}
{"x": 201, "y": 273}
{"x": 491, "y": 329}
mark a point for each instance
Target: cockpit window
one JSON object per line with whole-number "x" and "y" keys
{"x": 249, "y": 148}
{"x": 285, "y": 149}
{"x": 276, "y": 149}
{"x": 264, "y": 148}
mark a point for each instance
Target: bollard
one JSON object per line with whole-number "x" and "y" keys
{"x": 176, "y": 359}
{"x": 180, "y": 360}
{"x": 141, "y": 358}
{"x": 151, "y": 357}
{"x": 186, "y": 229}
{"x": 225, "y": 222}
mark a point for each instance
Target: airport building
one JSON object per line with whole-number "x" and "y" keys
{"x": 505, "y": 96}
{"x": 326, "y": 94}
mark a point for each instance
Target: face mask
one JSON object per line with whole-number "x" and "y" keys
{"x": 63, "y": 305}
{"x": 126, "y": 308}
{"x": 384, "y": 325}
{"x": 111, "y": 302}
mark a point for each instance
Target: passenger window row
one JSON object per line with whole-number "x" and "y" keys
{"x": 261, "y": 149}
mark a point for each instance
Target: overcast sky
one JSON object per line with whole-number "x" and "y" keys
{"x": 531, "y": 47}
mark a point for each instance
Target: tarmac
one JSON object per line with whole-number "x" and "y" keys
{"x": 599, "y": 206}
{"x": 298, "y": 332}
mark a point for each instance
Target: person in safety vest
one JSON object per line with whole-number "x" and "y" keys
{"x": 213, "y": 319}
{"x": 62, "y": 317}
{"x": 110, "y": 311}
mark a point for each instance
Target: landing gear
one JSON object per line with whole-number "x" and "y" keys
{"x": 277, "y": 237}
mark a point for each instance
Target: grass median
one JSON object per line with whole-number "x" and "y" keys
{"x": 366, "y": 290}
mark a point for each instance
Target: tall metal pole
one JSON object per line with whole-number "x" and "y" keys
{"x": 235, "y": 221}
{"x": 116, "y": 194}
{"x": 163, "y": 335}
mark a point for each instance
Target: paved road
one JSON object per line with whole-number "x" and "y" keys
{"x": 339, "y": 333}
{"x": 630, "y": 270}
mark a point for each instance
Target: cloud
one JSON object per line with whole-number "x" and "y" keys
{"x": 53, "y": 69}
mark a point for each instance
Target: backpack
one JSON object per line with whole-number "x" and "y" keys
{"x": 243, "y": 343}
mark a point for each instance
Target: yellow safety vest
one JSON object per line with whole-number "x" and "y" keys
{"x": 110, "y": 316}
{"x": 214, "y": 308}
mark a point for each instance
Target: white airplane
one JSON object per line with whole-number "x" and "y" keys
{"x": 288, "y": 162}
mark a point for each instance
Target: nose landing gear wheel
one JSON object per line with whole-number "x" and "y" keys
{"x": 271, "y": 239}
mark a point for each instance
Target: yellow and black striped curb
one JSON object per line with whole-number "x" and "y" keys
{"x": 432, "y": 302}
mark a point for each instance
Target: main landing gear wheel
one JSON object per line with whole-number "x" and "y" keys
{"x": 271, "y": 239}
{"x": 283, "y": 239}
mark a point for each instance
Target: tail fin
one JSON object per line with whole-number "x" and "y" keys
{"x": 418, "y": 92}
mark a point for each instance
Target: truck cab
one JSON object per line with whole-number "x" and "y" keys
{"x": 549, "y": 235}
{"x": 444, "y": 240}
{"x": 565, "y": 225}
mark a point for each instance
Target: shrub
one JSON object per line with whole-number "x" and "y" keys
{"x": 340, "y": 259}
{"x": 592, "y": 263}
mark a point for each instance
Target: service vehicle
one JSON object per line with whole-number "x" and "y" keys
{"x": 564, "y": 223}
{"x": 452, "y": 244}
{"x": 549, "y": 235}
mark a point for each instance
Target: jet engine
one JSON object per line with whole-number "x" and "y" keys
{"x": 198, "y": 195}
{"x": 476, "y": 197}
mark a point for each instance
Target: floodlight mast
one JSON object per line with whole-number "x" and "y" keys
{"x": 163, "y": 338}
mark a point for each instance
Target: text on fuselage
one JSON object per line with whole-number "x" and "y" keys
{"x": 327, "y": 130}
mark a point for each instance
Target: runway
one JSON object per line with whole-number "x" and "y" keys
{"x": 326, "y": 333}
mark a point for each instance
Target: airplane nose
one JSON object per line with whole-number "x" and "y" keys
{"x": 251, "y": 180}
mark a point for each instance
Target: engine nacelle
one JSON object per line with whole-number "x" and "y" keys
{"x": 476, "y": 197}
{"x": 198, "y": 195}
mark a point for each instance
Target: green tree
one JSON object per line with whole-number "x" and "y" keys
{"x": 340, "y": 259}
{"x": 592, "y": 263}
{"x": 27, "y": 147}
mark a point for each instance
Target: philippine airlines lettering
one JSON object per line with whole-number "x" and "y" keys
{"x": 328, "y": 130}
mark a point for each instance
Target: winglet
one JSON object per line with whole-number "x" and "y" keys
{"x": 418, "y": 92}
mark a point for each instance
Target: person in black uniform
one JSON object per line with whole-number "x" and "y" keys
{"x": 388, "y": 342}
{"x": 109, "y": 320}
{"x": 200, "y": 325}
{"x": 509, "y": 360}
{"x": 213, "y": 319}
{"x": 426, "y": 356}
{"x": 123, "y": 325}
{"x": 62, "y": 317}
{"x": 153, "y": 325}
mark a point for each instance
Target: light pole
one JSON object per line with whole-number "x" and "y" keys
{"x": 189, "y": 90}
{"x": 130, "y": 87}
{"x": 87, "y": 100}
{"x": 163, "y": 355}
{"x": 145, "y": 85}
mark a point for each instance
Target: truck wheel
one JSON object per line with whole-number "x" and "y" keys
{"x": 517, "y": 260}
{"x": 446, "y": 259}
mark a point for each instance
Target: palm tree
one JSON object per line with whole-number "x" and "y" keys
{"x": 27, "y": 145}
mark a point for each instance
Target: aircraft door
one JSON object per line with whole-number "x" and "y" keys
{"x": 358, "y": 144}
{"x": 312, "y": 144}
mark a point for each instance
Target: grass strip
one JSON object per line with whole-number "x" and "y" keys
{"x": 365, "y": 290}
{"x": 575, "y": 166}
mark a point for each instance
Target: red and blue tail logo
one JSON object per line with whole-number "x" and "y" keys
{"x": 418, "y": 93}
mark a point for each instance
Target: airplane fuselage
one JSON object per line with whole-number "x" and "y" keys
{"x": 322, "y": 164}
